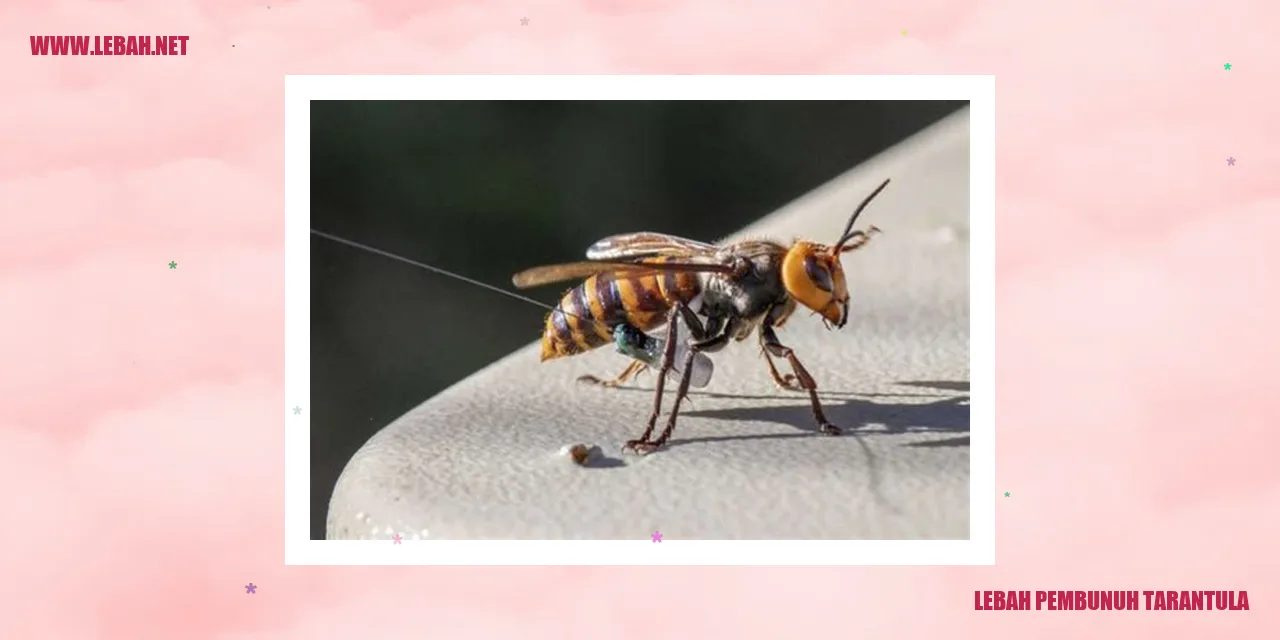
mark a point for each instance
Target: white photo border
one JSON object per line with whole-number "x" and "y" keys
{"x": 301, "y": 550}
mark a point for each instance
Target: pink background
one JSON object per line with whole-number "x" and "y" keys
{"x": 141, "y": 407}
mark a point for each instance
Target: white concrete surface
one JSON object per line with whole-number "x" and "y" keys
{"x": 482, "y": 459}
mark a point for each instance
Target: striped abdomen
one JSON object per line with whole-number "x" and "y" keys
{"x": 612, "y": 299}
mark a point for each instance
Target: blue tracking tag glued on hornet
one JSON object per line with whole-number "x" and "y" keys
{"x": 636, "y": 344}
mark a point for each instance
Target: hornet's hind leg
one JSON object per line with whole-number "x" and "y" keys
{"x": 632, "y": 370}
{"x": 644, "y": 445}
{"x": 705, "y": 344}
{"x": 698, "y": 343}
{"x": 776, "y": 348}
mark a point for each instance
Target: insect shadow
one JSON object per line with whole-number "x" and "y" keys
{"x": 945, "y": 415}
{"x": 945, "y": 442}
{"x": 944, "y": 385}
{"x": 948, "y": 414}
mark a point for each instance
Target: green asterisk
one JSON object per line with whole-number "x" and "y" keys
{"x": 173, "y": 265}
{"x": 1227, "y": 66}
{"x": 297, "y": 411}
{"x": 1006, "y": 494}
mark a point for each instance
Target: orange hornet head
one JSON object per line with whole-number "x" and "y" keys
{"x": 812, "y": 273}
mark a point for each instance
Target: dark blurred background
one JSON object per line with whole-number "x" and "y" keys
{"x": 486, "y": 189}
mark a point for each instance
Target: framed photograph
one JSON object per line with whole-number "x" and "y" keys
{"x": 481, "y": 278}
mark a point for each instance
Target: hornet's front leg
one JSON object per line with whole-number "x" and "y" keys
{"x": 776, "y": 317}
{"x": 788, "y": 381}
{"x": 776, "y": 348}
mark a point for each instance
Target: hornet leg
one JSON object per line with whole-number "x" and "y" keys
{"x": 706, "y": 344}
{"x": 771, "y": 343}
{"x": 788, "y": 381}
{"x": 777, "y": 316}
{"x": 668, "y": 358}
{"x": 644, "y": 445}
{"x": 632, "y": 369}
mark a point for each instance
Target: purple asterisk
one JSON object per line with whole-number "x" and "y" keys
{"x": 250, "y": 588}
{"x": 657, "y": 536}
{"x": 1231, "y": 162}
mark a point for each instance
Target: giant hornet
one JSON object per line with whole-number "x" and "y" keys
{"x": 637, "y": 282}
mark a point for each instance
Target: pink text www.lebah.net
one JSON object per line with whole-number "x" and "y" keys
{"x": 109, "y": 45}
